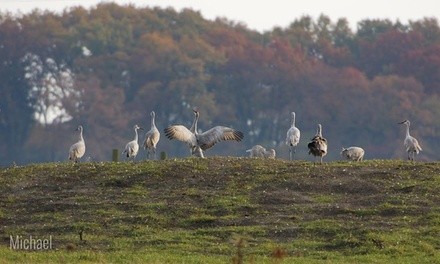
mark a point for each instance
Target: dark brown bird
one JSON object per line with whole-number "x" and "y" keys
{"x": 318, "y": 145}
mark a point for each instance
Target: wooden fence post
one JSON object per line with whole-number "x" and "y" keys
{"x": 115, "y": 155}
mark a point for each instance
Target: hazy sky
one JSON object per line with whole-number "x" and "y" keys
{"x": 261, "y": 14}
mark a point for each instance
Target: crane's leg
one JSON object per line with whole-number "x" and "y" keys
{"x": 290, "y": 152}
{"x": 201, "y": 153}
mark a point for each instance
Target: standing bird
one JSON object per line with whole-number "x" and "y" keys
{"x": 411, "y": 144}
{"x": 198, "y": 142}
{"x": 132, "y": 147}
{"x": 318, "y": 145}
{"x": 292, "y": 139}
{"x": 78, "y": 149}
{"x": 152, "y": 137}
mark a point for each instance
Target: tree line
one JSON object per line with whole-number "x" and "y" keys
{"x": 107, "y": 67}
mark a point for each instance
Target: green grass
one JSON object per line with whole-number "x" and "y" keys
{"x": 223, "y": 209}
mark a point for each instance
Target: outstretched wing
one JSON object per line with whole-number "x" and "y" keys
{"x": 216, "y": 134}
{"x": 181, "y": 133}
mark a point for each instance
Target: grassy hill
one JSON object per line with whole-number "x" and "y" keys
{"x": 223, "y": 209}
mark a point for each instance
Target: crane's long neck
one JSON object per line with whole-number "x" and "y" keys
{"x": 293, "y": 119}
{"x": 136, "y": 134}
{"x": 193, "y": 128}
{"x": 319, "y": 132}
{"x": 195, "y": 123}
{"x": 81, "y": 135}
{"x": 152, "y": 121}
{"x": 407, "y": 130}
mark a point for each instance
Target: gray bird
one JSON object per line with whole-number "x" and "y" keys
{"x": 78, "y": 149}
{"x": 152, "y": 137}
{"x": 132, "y": 148}
{"x": 292, "y": 138}
{"x": 198, "y": 142}
{"x": 411, "y": 144}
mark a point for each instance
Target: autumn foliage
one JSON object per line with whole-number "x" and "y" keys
{"x": 106, "y": 68}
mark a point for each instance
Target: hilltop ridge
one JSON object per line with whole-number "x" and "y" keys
{"x": 343, "y": 211}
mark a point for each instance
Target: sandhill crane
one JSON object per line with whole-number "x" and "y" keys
{"x": 292, "y": 139}
{"x": 78, "y": 149}
{"x": 152, "y": 137}
{"x": 132, "y": 147}
{"x": 318, "y": 145}
{"x": 411, "y": 144}
{"x": 184, "y": 136}
{"x": 259, "y": 151}
{"x": 198, "y": 142}
{"x": 353, "y": 153}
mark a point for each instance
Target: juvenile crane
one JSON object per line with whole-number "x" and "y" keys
{"x": 78, "y": 149}
{"x": 152, "y": 137}
{"x": 318, "y": 145}
{"x": 292, "y": 139}
{"x": 198, "y": 142}
{"x": 132, "y": 147}
{"x": 411, "y": 144}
